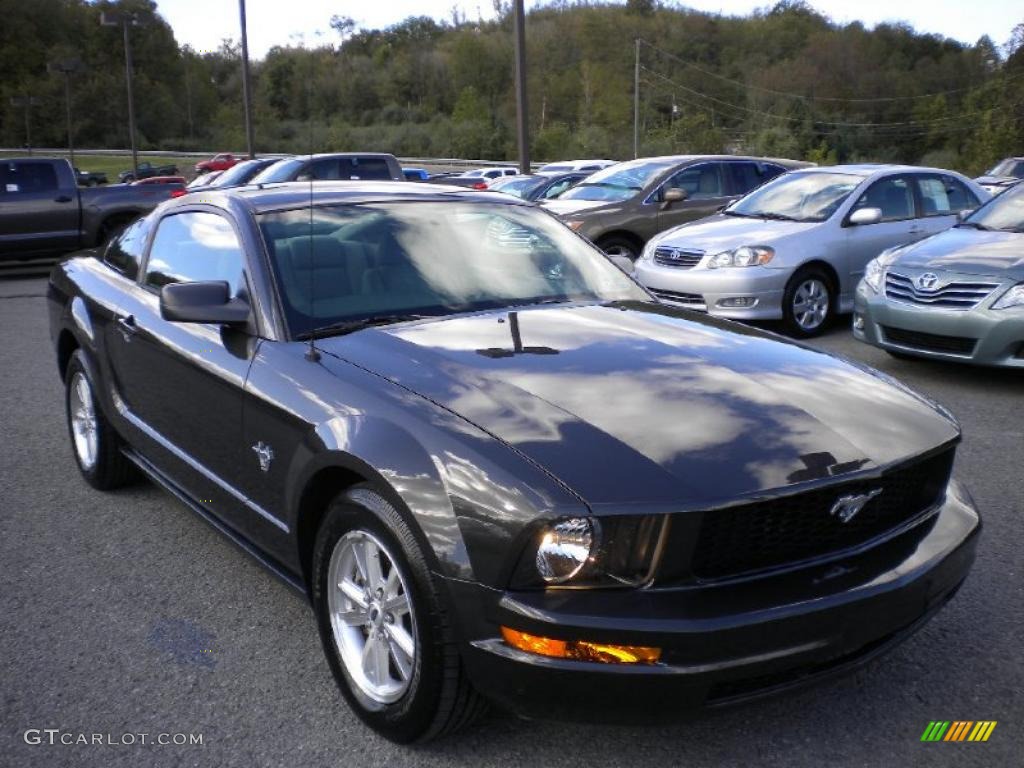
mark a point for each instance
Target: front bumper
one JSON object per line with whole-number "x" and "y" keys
{"x": 721, "y": 644}
{"x": 997, "y": 334}
{"x": 705, "y": 290}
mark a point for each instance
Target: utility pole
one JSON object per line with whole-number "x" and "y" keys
{"x": 27, "y": 102}
{"x": 67, "y": 67}
{"x": 246, "y": 85}
{"x": 522, "y": 117}
{"x": 636, "y": 102}
{"x": 187, "y": 60}
{"x": 125, "y": 19}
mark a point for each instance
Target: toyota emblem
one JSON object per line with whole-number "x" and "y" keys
{"x": 927, "y": 281}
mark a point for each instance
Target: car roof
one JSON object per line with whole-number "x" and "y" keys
{"x": 263, "y": 198}
{"x": 874, "y": 169}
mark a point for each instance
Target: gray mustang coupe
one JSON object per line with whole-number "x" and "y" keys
{"x": 496, "y": 467}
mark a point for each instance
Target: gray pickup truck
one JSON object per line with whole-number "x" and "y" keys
{"x": 43, "y": 211}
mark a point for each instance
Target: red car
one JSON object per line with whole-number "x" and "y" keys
{"x": 160, "y": 180}
{"x": 220, "y": 162}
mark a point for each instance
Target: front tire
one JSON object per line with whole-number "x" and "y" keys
{"x": 383, "y": 624}
{"x": 95, "y": 444}
{"x": 809, "y": 303}
{"x": 617, "y": 245}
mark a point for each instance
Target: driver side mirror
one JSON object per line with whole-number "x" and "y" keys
{"x": 202, "y": 302}
{"x": 672, "y": 195}
{"x": 865, "y": 216}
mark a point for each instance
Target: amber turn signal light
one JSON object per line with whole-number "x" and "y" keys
{"x": 580, "y": 650}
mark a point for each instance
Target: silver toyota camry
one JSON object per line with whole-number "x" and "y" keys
{"x": 795, "y": 248}
{"x": 956, "y": 296}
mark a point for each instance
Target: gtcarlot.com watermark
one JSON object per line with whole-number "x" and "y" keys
{"x": 56, "y": 736}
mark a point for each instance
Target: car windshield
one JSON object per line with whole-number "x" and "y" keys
{"x": 346, "y": 263}
{"x": 813, "y": 196}
{"x": 239, "y": 174}
{"x": 1003, "y": 212}
{"x": 618, "y": 182}
{"x": 283, "y": 170}
{"x": 520, "y": 187}
{"x": 1008, "y": 167}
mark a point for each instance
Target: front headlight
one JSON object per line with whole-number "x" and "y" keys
{"x": 648, "y": 252}
{"x": 875, "y": 269}
{"x": 565, "y": 548}
{"x": 1012, "y": 298}
{"x": 744, "y": 256}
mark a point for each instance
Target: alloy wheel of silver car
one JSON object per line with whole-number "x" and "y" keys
{"x": 811, "y": 301}
{"x": 84, "y": 425}
{"x": 371, "y": 617}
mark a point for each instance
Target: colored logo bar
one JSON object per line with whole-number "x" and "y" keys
{"x": 958, "y": 730}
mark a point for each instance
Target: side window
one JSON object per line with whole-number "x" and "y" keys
{"x": 195, "y": 246}
{"x": 27, "y": 177}
{"x": 322, "y": 170}
{"x": 366, "y": 168}
{"x": 701, "y": 182}
{"x": 124, "y": 253}
{"x": 893, "y": 195}
{"x": 745, "y": 176}
{"x": 557, "y": 188}
{"x": 944, "y": 196}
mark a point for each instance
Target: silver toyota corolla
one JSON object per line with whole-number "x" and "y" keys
{"x": 956, "y": 296}
{"x": 796, "y": 247}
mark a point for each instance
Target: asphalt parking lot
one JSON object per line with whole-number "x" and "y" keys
{"x": 124, "y": 614}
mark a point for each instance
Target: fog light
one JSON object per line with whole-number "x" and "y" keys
{"x": 738, "y": 302}
{"x": 565, "y": 548}
{"x": 858, "y": 322}
{"x": 580, "y": 650}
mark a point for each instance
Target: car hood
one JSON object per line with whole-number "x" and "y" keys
{"x": 722, "y": 233}
{"x": 564, "y": 208}
{"x": 638, "y": 404}
{"x": 970, "y": 251}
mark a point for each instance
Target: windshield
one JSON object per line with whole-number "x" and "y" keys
{"x": 515, "y": 186}
{"x": 813, "y": 196}
{"x": 1008, "y": 167}
{"x": 283, "y": 170}
{"x": 239, "y": 174}
{"x": 1003, "y": 212}
{"x": 618, "y": 182}
{"x": 350, "y": 262}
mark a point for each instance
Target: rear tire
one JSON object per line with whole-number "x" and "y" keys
{"x": 95, "y": 444}
{"x": 809, "y": 302}
{"x": 405, "y": 697}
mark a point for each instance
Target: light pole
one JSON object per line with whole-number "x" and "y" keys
{"x": 522, "y": 118}
{"x": 67, "y": 67}
{"x": 27, "y": 102}
{"x": 246, "y": 85}
{"x": 636, "y": 101}
{"x": 124, "y": 19}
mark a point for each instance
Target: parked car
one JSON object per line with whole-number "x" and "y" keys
{"x": 1005, "y": 174}
{"x": 365, "y": 166}
{"x": 458, "y": 180}
{"x": 90, "y": 178}
{"x": 621, "y": 207}
{"x": 487, "y": 175}
{"x": 160, "y": 180}
{"x": 415, "y": 174}
{"x": 957, "y": 296}
{"x": 796, "y": 248}
{"x": 44, "y": 212}
{"x": 539, "y": 186}
{"x": 220, "y": 162}
{"x": 238, "y": 175}
{"x": 423, "y": 429}
{"x": 147, "y": 170}
{"x": 566, "y": 166}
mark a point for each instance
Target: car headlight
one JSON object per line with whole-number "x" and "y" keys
{"x": 875, "y": 269}
{"x": 744, "y": 256}
{"x": 1012, "y": 298}
{"x": 648, "y": 252}
{"x": 590, "y": 552}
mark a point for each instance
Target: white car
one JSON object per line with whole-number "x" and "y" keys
{"x": 795, "y": 248}
{"x": 487, "y": 175}
{"x": 566, "y": 166}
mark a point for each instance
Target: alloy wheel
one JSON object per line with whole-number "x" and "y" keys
{"x": 84, "y": 425}
{"x": 811, "y": 301}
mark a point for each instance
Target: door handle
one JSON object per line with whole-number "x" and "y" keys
{"x": 126, "y": 325}
{"x": 62, "y": 199}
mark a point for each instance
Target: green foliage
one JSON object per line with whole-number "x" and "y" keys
{"x": 785, "y": 81}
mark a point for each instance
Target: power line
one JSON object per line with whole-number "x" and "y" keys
{"x": 804, "y": 97}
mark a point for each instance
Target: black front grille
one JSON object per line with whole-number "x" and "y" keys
{"x": 929, "y": 342}
{"x": 781, "y": 532}
{"x": 691, "y": 300}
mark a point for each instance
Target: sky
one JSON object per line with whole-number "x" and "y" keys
{"x": 204, "y": 23}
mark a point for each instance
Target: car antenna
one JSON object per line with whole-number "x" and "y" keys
{"x": 312, "y": 353}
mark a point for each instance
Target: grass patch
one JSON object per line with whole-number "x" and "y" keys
{"x": 114, "y": 164}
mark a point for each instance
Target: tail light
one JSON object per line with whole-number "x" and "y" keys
{"x": 179, "y": 192}
{"x": 480, "y": 185}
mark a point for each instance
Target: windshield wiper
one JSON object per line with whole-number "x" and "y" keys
{"x": 775, "y": 216}
{"x": 350, "y": 326}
